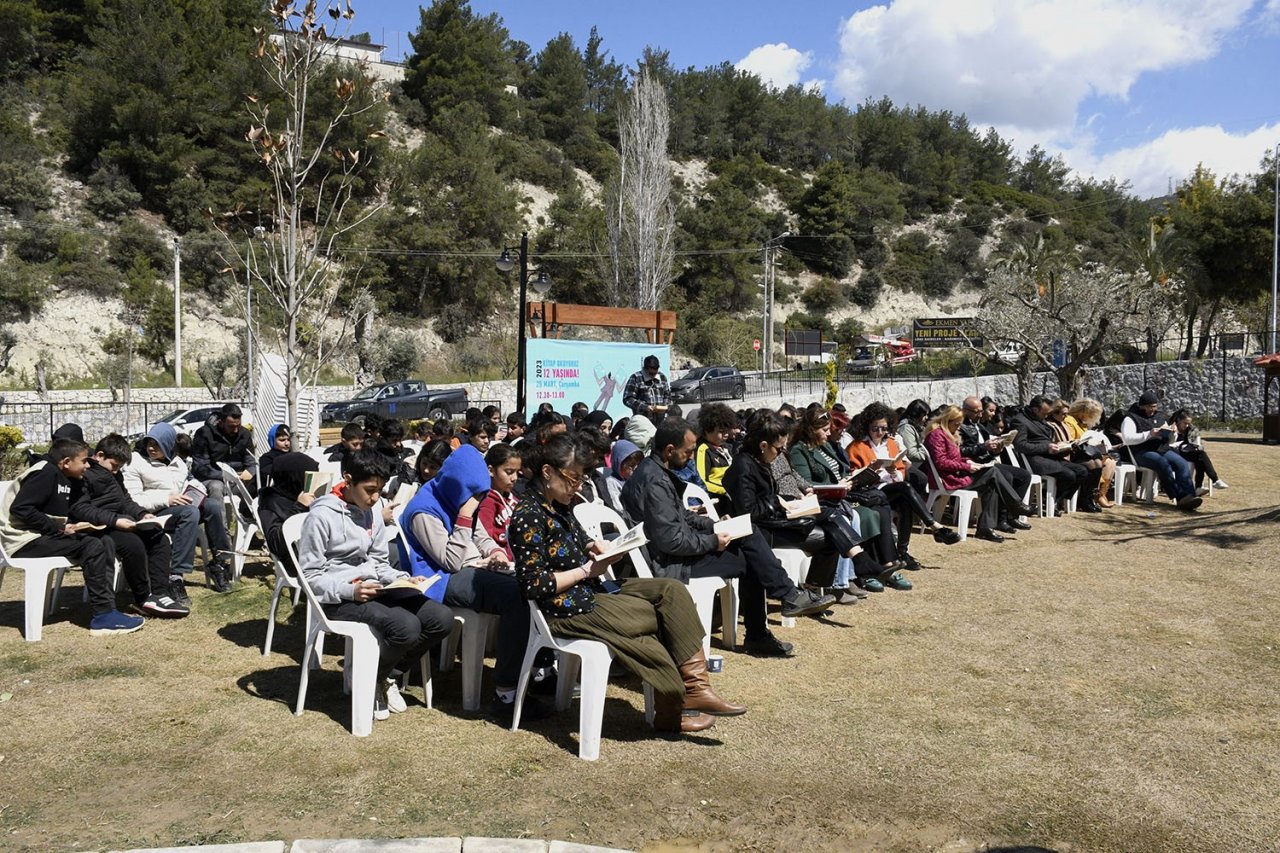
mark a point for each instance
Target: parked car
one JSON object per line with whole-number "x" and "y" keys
{"x": 709, "y": 383}
{"x": 1006, "y": 352}
{"x": 190, "y": 420}
{"x": 405, "y": 399}
{"x": 866, "y": 359}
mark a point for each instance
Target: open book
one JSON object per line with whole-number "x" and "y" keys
{"x": 404, "y": 494}
{"x": 319, "y": 482}
{"x": 195, "y": 492}
{"x": 737, "y": 527}
{"x": 1007, "y": 438}
{"x": 405, "y": 586}
{"x": 805, "y": 506}
{"x": 77, "y": 526}
{"x": 157, "y": 523}
{"x": 629, "y": 541}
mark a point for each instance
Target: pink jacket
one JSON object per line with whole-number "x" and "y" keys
{"x": 952, "y": 467}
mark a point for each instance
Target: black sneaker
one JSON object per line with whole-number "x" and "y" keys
{"x": 767, "y": 646}
{"x": 544, "y": 681}
{"x": 217, "y": 576}
{"x": 178, "y": 589}
{"x": 163, "y": 605}
{"x": 804, "y": 602}
{"x": 533, "y": 710}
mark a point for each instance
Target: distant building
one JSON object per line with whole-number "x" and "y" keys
{"x": 367, "y": 54}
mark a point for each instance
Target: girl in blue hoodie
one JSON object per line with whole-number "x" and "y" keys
{"x": 438, "y": 524}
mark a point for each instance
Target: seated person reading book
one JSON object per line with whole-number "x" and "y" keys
{"x": 650, "y": 624}
{"x": 683, "y": 544}
{"x": 439, "y": 526}
{"x": 342, "y": 554}
{"x": 142, "y": 548}
{"x": 33, "y": 523}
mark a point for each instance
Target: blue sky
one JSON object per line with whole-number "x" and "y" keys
{"x": 1141, "y": 90}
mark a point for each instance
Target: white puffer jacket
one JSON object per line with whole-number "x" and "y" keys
{"x": 150, "y": 483}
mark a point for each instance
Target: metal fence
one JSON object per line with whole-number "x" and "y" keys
{"x": 935, "y": 364}
{"x": 38, "y": 420}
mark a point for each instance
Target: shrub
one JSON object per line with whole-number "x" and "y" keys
{"x": 822, "y": 295}
{"x": 111, "y": 194}
{"x": 866, "y": 291}
{"x": 134, "y": 238}
{"x": 23, "y": 188}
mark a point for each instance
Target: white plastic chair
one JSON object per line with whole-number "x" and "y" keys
{"x": 795, "y": 561}
{"x": 283, "y": 580}
{"x": 237, "y": 494}
{"x": 939, "y": 496}
{"x": 580, "y": 660}
{"x": 1144, "y": 483}
{"x": 1049, "y": 490}
{"x": 360, "y": 669}
{"x": 471, "y": 632}
{"x": 1036, "y": 486}
{"x": 703, "y": 591}
{"x": 38, "y": 579}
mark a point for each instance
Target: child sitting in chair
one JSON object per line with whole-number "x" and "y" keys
{"x": 342, "y": 554}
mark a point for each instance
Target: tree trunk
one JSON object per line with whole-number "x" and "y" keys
{"x": 1207, "y": 327}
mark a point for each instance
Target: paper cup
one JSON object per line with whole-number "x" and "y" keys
{"x": 715, "y": 663}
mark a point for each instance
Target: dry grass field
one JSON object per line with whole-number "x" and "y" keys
{"x": 1107, "y": 683}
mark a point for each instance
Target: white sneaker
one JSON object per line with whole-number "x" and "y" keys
{"x": 1220, "y": 484}
{"x": 395, "y": 702}
{"x": 380, "y": 710}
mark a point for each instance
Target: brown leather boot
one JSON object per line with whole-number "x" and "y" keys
{"x": 698, "y": 695}
{"x": 668, "y": 716}
{"x": 1101, "y": 496}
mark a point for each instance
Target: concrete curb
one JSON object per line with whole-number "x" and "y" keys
{"x": 389, "y": 845}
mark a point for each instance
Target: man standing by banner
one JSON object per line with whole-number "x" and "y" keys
{"x": 647, "y": 391}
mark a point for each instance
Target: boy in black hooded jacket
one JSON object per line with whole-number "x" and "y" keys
{"x": 144, "y": 552}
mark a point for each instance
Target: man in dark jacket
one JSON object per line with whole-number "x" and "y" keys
{"x": 221, "y": 440}
{"x": 1047, "y": 457}
{"x": 144, "y": 552}
{"x": 685, "y": 545}
{"x": 979, "y": 445}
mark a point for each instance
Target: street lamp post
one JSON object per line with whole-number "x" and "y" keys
{"x": 541, "y": 284}
{"x": 505, "y": 265}
{"x": 258, "y": 232}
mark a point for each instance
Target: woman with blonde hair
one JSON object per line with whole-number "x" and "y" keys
{"x": 942, "y": 442}
{"x": 1084, "y": 415}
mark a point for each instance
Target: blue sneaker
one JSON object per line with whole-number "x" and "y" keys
{"x": 115, "y": 622}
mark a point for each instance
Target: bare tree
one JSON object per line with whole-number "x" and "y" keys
{"x": 1076, "y": 312}
{"x": 639, "y": 212}
{"x": 313, "y": 183}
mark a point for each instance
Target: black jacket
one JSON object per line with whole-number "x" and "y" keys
{"x": 677, "y": 537}
{"x": 211, "y": 446}
{"x": 1034, "y": 437}
{"x": 973, "y": 440}
{"x": 44, "y": 492}
{"x": 752, "y": 490}
{"x": 100, "y": 498}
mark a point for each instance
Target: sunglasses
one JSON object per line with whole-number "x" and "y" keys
{"x": 570, "y": 479}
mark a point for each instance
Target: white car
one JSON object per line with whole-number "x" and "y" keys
{"x": 191, "y": 419}
{"x": 1007, "y": 352}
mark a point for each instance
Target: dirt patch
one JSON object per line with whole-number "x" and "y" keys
{"x": 1105, "y": 683}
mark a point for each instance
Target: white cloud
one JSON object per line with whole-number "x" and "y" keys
{"x": 777, "y": 64}
{"x": 1024, "y": 63}
{"x": 1175, "y": 154}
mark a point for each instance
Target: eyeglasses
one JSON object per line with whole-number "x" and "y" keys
{"x": 573, "y": 481}
{"x": 777, "y": 448}
{"x": 878, "y": 429}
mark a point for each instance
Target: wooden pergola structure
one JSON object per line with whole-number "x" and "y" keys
{"x": 659, "y": 326}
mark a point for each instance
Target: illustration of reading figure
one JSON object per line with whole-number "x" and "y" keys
{"x": 608, "y": 386}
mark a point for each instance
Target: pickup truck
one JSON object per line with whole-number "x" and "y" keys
{"x": 405, "y": 400}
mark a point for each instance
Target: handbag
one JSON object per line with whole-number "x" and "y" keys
{"x": 869, "y": 497}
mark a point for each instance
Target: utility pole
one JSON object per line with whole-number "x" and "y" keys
{"x": 764, "y": 315}
{"x": 1275, "y": 250}
{"x": 177, "y": 312}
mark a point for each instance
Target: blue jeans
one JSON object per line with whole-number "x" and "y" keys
{"x": 182, "y": 531}
{"x": 1173, "y": 471}
{"x": 844, "y": 572}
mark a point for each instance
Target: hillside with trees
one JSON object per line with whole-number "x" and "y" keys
{"x": 127, "y": 124}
